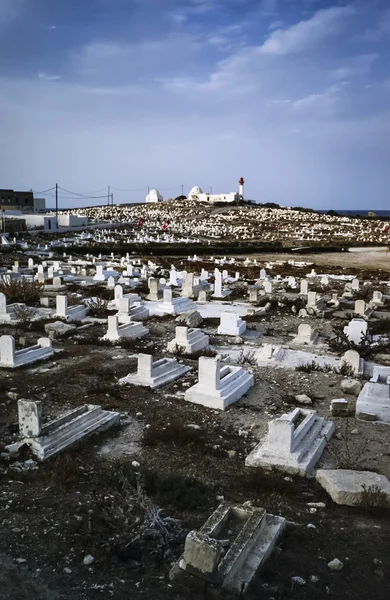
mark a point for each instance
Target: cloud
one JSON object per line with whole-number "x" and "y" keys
{"x": 303, "y": 35}
{"x": 9, "y": 10}
{"x": 354, "y": 66}
{"x": 45, "y": 77}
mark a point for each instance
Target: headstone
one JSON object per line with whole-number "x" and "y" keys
{"x": 30, "y": 418}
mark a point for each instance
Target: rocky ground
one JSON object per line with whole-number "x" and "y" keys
{"x": 184, "y": 459}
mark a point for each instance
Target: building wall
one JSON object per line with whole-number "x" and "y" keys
{"x": 214, "y": 198}
{"x": 11, "y": 200}
{"x": 69, "y": 220}
{"x": 39, "y": 205}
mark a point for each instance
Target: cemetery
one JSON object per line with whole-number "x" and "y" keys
{"x": 196, "y": 423}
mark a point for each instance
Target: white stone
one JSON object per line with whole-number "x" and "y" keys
{"x": 374, "y": 399}
{"x": 290, "y": 447}
{"x": 77, "y": 312}
{"x": 305, "y": 335}
{"x": 153, "y": 374}
{"x": 356, "y": 330}
{"x": 251, "y": 544}
{"x": 218, "y": 387}
{"x": 353, "y": 360}
{"x": 335, "y": 565}
{"x": 351, "y": 386}
{"x": 231, "y": 324}
{"x": 61, "y": 433}
{"x": 174, "y": 306}
{"x": 130, "y": 330}
{"x": 11, "y": 358}
{"x": 346, "y": 487}
{"x": 188, "y": 341}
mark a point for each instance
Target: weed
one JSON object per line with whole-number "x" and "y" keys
{"x": 373, "y": 496}
{"x": 21, "y": 290}
{"x": 97, "y": 307}
{"x": 23, "y": 314}
{"x": 247, "y": 357}
{"x": 180, "y": 351}
{"x": 346, "y": 370}
{"x": 314, "y": 366}
{"x": 348, "y": 450}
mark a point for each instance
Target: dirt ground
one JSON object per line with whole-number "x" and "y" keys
{"x": 76, "y": 504}
{"x": 366, "y": 260}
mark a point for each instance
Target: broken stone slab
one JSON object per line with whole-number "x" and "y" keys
{"x": 229, "y": 549}
{"x": 52, "y": 437}
{"x": 355, "y": 488}
{"x": 59, "y": 329}
{"x": 191, "y": 318}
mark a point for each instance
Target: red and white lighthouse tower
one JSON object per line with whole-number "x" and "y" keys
{"x": 241, "y": 188}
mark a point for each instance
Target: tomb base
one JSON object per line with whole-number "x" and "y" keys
{"x": 308, "y": 443}
{"x": 234, "y": 383}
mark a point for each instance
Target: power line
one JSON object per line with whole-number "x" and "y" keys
{"x": 82, "y": 196}
{"x": 44, "y": 191}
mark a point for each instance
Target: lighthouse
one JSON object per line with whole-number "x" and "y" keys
{"x": 241, "y": 188}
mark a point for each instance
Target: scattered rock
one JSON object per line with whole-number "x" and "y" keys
{"x": 88, "y": 560}
{"x": 298, "y": 580}
{"x": 351, "y": 386}
{"x": 335, "y": 565}
{"x": 303, "y": 399}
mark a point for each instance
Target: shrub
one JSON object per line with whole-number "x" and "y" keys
{"x": 373, "y": 497}
{"x": 21, "y": 290}
{"x": 247, "y": 358}
{"x": 98, "y": 308}
{"x": 313, "y": 366}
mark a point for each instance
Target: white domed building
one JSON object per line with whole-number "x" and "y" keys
{"x": 195, "y": 193}
{"x": 154, "y": 196}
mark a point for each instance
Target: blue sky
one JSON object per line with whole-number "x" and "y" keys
{"x": 294, "y": 95}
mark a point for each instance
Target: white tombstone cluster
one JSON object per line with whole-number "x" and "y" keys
{"x": 218, "y": 380}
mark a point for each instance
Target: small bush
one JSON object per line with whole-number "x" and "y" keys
{"x": 180, "y": 351}
{"x": 23, "y": 314}
{"x": 21, "y": 290}
{"x": 314, "y": 366}
{"x": 373, "y": 497}
{"x": 346, "y": 370}
{"x": 98, "y": 308}
{"x": 247, "y": 358}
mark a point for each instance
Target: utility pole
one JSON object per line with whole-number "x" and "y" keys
{"x": 112, "y": 198}
{"x": 108, "y": 196}
{"x": 182, "y": 189}
{"x": 57, "y": 206}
